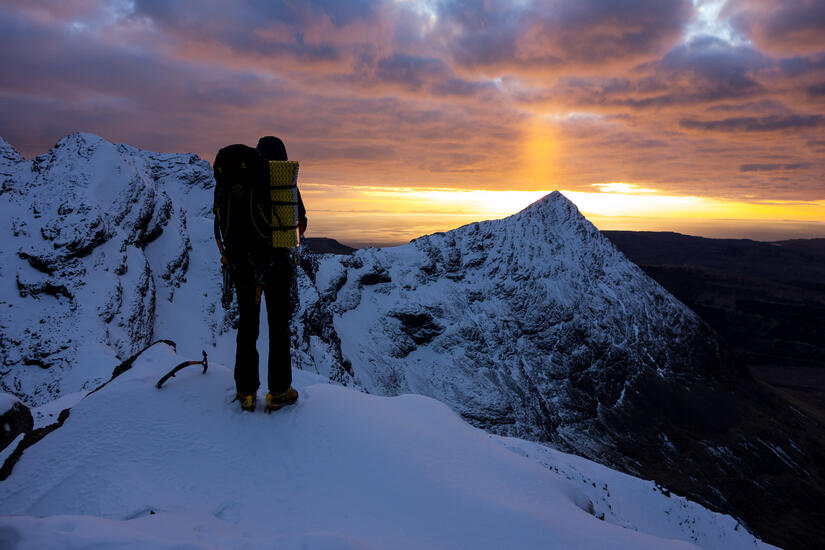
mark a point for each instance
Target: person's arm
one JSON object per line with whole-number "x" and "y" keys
{"x": 216, "y": 215}
{"x": 302, "y": 215}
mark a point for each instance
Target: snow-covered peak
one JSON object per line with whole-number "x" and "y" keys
{"x": 553, "y": 215}
{"x": 555, "y": 205}
{"x": 74, "y": 149}
{"x": 539, "y": 305}
{"x": 89, "y": 163}
{"x": 81, "y": 140}
{"x": 557, "y": 217}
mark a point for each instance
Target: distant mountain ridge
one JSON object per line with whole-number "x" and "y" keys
{"x": 766, "y": 299}
{"x": 533, "y": 326}
{"x": 325, "y": 245}
{"x": 796, "y": 262}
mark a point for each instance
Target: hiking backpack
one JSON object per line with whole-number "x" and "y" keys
{"x": 255, "y": 205}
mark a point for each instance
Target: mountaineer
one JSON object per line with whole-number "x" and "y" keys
{"x": 259, "y": 219}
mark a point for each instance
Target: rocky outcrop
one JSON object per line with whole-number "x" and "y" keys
{"x": 15, "y": 419}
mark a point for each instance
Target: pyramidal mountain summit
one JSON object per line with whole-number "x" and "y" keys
{"x": 533, "y": 327}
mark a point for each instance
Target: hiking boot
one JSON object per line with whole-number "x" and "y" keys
{"x": 247, "y": 401}
{"x": 278, "y": 400}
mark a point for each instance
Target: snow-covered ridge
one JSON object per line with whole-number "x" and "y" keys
{"x": 137, "y": 467}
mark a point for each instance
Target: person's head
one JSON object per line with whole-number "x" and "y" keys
{"x": 272, "y": 148}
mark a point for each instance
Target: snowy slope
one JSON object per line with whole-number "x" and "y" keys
{"x": 134, "y": 466}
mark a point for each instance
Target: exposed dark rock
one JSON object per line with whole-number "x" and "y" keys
{"x": 47, "y": 287}
{"x": 14, "y": 421}
{"x": 44, "y": 264}
{"x": 30, "y": 439}
{"x": 374, "y": 278}
{"x": 419, "y": 326}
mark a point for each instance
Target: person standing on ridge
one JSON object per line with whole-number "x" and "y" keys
{"x": 259, "y": 218}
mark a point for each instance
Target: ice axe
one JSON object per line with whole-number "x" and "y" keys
{"x": 172, "y": 372}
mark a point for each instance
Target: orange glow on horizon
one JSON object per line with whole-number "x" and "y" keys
{"x": 385, "y": 215}
{"x": 634, "y": 202}
{"x": 694, "y": 208}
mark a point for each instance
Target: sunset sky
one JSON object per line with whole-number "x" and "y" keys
{"x": 413, "y": 116}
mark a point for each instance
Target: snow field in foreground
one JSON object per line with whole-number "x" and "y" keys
{"x": 134, "y": 466}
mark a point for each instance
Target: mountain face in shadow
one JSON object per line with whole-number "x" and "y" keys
{"x": 534, "y": 326}
{"x": 766, "y": 300}
{"x": 796, "y": 262}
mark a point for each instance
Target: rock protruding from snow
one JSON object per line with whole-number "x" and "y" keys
{"x": 15, "y": 419}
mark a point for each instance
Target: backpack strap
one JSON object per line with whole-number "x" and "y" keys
{"x": 218, "y": 240}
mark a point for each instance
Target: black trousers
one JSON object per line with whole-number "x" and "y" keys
{"x": 276, "y": 291}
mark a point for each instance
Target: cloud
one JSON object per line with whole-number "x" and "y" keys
{"x": 758, "y": 106}
{"x": 429, "y": 74}
{"x": 65, "y": 11}
{"x": 802, "y": 65}
{"x": 755, "y": 124}
{"x": 817, "y": 90}
{"x": 789, "y": 26}
{"x": 503, "y": 36}
{"x": 66, "y": 65}
{"x": 703, "y": 71}
{"x": 270, "y": 33}
{"x": 253, "y": 15}
{"x": 773, "y": 167}
{"x": 717, "y": 68}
